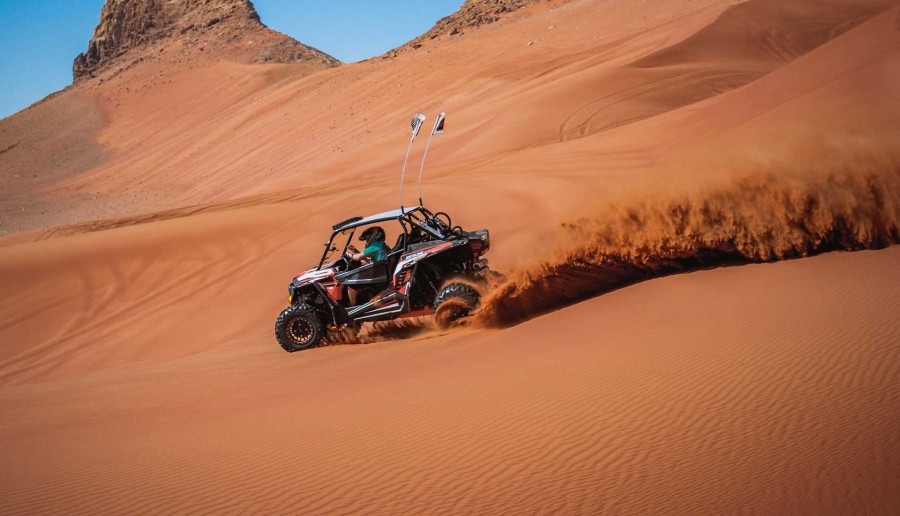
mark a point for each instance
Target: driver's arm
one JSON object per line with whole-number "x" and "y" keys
{"x": 356, "y": 256}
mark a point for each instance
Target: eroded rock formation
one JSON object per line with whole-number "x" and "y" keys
{"x": 131, "y": 25}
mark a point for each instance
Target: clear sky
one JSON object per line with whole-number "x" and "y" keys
{"x": 39, "y": 39}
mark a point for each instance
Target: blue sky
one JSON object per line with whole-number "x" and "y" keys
{"x": 39, "y": 39}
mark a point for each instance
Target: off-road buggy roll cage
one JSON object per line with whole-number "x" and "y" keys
{"x": 428, "y": 252}
{"x": 418, "y": 220}
{"x": 434, "y": 266}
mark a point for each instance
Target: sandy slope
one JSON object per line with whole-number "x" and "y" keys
{"x": 192, "y": 131}
{"x": 641, "y": 401}
{"x": 138, "y": 371}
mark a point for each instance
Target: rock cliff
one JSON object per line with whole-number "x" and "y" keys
{"x": 129, "y": 26}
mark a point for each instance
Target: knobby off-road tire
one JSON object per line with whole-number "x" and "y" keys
{"x": 455, "y": 301}
{"x": 299, "y": 328}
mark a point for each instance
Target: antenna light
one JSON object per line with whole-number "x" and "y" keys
{"x": 416, "y": 125}
{"x": 438, "y": 129}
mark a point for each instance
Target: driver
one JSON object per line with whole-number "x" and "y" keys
{"x": 375, "y": 250}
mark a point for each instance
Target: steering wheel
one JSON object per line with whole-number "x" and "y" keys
{"x": 342, "y": 264}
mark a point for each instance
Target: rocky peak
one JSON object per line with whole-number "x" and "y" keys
{"x": 475, "y": 13}
{"x": 126, "y": 25}
{"x": 472, "y": 14}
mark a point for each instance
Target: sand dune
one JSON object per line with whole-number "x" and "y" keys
{"x": 638, "y": 401}
{"x": 200, "y": 132}
{"x": 604, "y": 144}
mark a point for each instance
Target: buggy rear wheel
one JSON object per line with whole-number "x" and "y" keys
{"x": 455, "y": 301}
{"x": 299, "y": 328}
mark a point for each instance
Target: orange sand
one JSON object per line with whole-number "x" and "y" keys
{"x": 139, "y": 373}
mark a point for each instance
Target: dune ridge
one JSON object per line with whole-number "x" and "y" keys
{"x": 763, "y": 217}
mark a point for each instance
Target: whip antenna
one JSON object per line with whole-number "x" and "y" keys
{"x": 438, "y": 129}
{"x": 416, "y": 124}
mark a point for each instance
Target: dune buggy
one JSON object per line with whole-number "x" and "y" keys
{"x": 433, "y": 267}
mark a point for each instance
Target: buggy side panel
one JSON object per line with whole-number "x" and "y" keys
{"x": 374, "y": 274}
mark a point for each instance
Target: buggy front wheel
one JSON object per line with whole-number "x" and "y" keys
{"x": 299, "y": 328}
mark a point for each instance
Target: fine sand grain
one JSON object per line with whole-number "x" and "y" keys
{"x": 613, "y": 148}
{"x": 765, "y": 389}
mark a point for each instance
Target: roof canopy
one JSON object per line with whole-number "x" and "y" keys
{"x": 373, "y": 219}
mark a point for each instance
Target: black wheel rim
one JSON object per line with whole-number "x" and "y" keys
{"x": 300, "y": 331}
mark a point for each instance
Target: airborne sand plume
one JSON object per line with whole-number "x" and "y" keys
{"x": 763, "y": 217}
{"x": 758, "y": 218}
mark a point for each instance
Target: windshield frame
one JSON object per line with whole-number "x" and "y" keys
{"x": 408, "y": 219}
{"x": 328, "y": 250}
